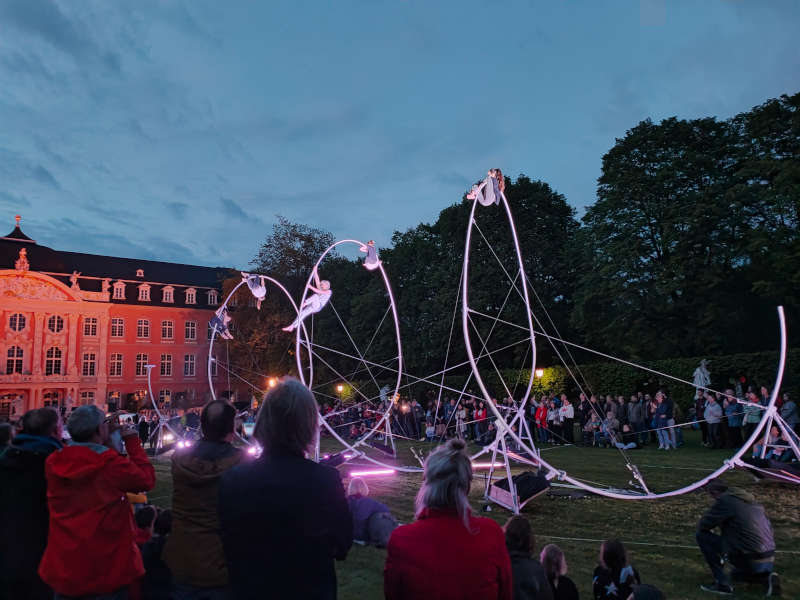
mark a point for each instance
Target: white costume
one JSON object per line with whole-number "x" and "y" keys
{"x": 487, "y": 192}
{"x": 372, "y": 261}
{"x": 312, "y": 305}
{"x": 257, "y": 287}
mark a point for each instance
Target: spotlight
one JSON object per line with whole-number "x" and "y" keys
{"x": 539, "y": 373}
{"x": 272, "y": 382}
{"x": 254, "y": 451}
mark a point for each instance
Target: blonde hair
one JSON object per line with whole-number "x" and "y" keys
{"x": 448, "y": 475}
{"x": 553, "y": 562}
{"x": 357, "y": 487}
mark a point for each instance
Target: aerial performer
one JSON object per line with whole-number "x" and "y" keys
{"x": 220, "y": 321}
{"x": 315, "y": 303}
{"x": 372, "y": 261}
{"x": 490, "y": 190}
{"x": 257, "y": 287}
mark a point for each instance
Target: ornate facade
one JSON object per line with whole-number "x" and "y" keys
{"x": 81, "y": 328}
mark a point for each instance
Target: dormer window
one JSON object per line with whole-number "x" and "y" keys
{"x": 167, "y": 294}
{"x": 213, "y": 297}
{"x": 119, "y": 290}
{"x": 140, "y": 272}
{"x": 144, "y": 293}
{"x": 191, "y": 296}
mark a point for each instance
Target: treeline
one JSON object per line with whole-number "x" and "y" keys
{"x": 692, "y": 243}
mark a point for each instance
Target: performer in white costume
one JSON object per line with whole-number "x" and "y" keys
{"x": 315, "y": 303}
{"x": 372, "y": 261}
{"x": 490, "y": 190}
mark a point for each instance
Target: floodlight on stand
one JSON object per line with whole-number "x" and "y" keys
{"x": 539, "y": 373}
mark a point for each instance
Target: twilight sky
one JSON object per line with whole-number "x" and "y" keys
{"x": 178, "y": 130}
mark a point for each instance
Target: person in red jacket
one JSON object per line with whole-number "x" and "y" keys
{"x": 447, "y": 553}
{"x": 91, "y": 549}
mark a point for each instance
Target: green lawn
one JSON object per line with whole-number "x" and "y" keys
{"x": 659, "y": 534}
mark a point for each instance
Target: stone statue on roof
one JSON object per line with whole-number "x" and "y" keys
{"x": 106, "y": 285}
{"x": 73, "y": 279}
{"x": 22, "y": 263}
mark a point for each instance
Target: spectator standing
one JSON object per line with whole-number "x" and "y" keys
{"x": 193, "y": 551}
{"x": 373, "y": 523}
{"x": 527, "y": 573}
{"x": 746, "y": 540}
{"x": 752, "y": 414}
{"x": 636, "y": 416}
{"x": 662, "y": 416}
{"x": 157, "y": 582}
{"x": 567, "y": 413}
{"x": 700, "y": 409}
{"x": 613, "y": 577}
{"x": 23, "y": 505}
{"x": 91, "y": 550}
{"x": 421, "y": 561}
{"x": 790, "y": 414}
{"x": 284, "y": 518}
{"x": 733, "y": 413}
{"x": 713, "y": 416}
{"x": 554, "y": 564}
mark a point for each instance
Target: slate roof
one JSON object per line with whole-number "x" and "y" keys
{"x": 156, "y": 273}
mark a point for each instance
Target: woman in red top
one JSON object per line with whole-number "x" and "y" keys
{"x": 541, "y": 419}
{"x": 447, "y": 553}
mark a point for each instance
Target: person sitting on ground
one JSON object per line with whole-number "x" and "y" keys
{"x": 193, "y": 551}
{"x": 373, "y": 523}
{"x": 90, "y": 549}
{"x": 420, "y": 559}
{"x": 554, "y": 564}
{"x": 747, "y": 540}
{"x": 157, "y": 583}
{"x": 527, "y": 573}
{"x": 284, "y": 518}
{"x": 608, "y": 430}
{"x": 628, "y": 439}
{"x": 613, "y": 577}
{"x": 23, "y": 504}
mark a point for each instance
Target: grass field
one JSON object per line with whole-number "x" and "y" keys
{"x": 659, "y": 534}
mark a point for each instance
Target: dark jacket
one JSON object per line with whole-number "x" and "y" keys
{"x": 565, "y": 590}
{"x": 618, "y": 585}
{"x": 746, "y": 530}
{"x": 157, "y": 582}
{"x": 636, "y": 412}
{"x": 529, "y": 580}
{"x": 284, "y": 521}
{"x": 23, "y": 506}
{"x": 362, "y": 508}
{"x": 193, "y": 551}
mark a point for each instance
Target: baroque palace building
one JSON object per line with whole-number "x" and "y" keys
{"x": 80, "y": 328}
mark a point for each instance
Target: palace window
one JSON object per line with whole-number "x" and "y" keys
{"x": 190, "y": 330}
{"x": 87, "y": 398}
{"x": 164, "y": 396}
{"x": 167, "y": 294}
{"x": 141, "y": 364}
{"x": 90, "y": 326}
{"x": 115, "y": 365}
{"x": 89, "y": 364}
{"x": 213, "y": 367}
{"x": 188, "y": 365}
{"x": 166, "y": 365}
{"x": 144, "y": 293}
{"x": 52, "y": 362}
{"x": 140, "y": 272}
{"x": 167, "y": 330}
{"x": 16, "y": 322}
{"x": 209, "y": 331}
{"x": 119, "y": 290}
{"x": 191, "y": 296}
{"x": 14, "y": 360}
{"x": 55, "y": 324}
{"x": 142, "y": 328}
{"x": 117, "y": 327}
{"x": 213, "y": 297}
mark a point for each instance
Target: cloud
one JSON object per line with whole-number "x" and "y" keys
{"x": 179, "y": 210}
{"x": 42, "y": 175}
{"x": 14, "y": 201}
{"x": 231, "y": 209}
{"x": 45, "y": 20}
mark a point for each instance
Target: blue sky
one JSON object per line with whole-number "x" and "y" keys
{"x": 178, "y": 130}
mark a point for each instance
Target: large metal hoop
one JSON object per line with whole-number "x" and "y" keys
{"x": 303, "y": 339}
{"x": 505, "y": 429}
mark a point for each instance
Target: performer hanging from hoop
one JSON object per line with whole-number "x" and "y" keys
{"x": 315, "y": 303}
{"x": 219, "y": 322}
{"x": 490, "y": 190}
{"x": 257, "y": 287}
{"x": 372, "y": 261}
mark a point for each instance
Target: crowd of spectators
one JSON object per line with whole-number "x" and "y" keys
{"x": 272, "y": 526}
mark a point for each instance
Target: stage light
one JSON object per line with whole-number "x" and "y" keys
{"x": 181, "y": 444}
{"x": 272, "y": 382}
{"x": 539, "y": 373}
{"x": 254, "y": 451}
{"x": 372, "y": 473}
{"x": 168, "y": 437}
{"x": 340, "y": 388}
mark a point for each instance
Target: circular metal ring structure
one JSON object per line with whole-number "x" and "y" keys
{"x": 506, "y": 428}
{"x": 306, "y": 372}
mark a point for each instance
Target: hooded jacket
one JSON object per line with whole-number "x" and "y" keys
{"x": 23, "y": 506}
{"x": 746, "y": 530}
{"x": 91, "y": 548}
{"x": 193, "y": 550}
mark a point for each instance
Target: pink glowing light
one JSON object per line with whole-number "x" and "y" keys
{"x": 372, "y": 473}
{"x": 486, "y": 465}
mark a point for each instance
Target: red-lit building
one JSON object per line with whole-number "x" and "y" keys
{"x": 80, "y": 328}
